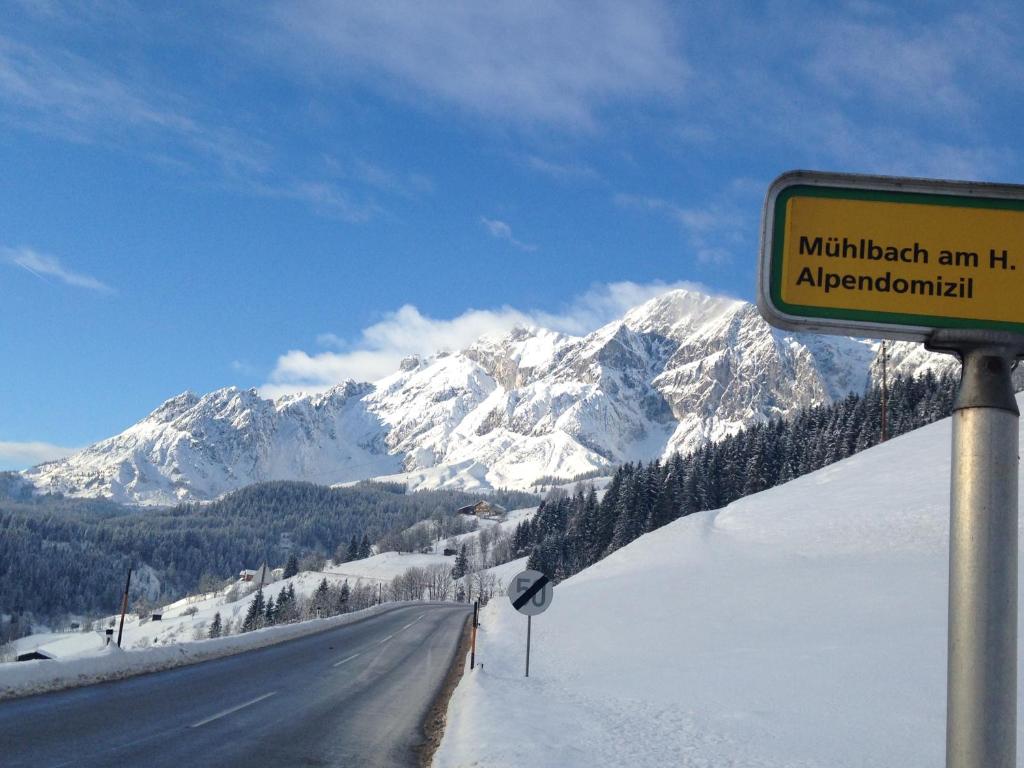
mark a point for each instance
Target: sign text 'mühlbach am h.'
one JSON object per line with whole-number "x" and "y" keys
{"x": 888, "y": 257}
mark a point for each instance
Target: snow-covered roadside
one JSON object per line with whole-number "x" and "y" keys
{"x": 31, "y": 677}
{"x": 189, "y": 618}
{"x": 803, "y": 627}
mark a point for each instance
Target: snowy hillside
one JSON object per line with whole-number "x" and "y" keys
{"x": 189, "y": 618}
{"x": 802, "y": 626}
{"x": 674, "y": 372}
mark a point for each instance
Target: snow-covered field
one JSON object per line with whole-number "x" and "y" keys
{"x": 803, "y": 626}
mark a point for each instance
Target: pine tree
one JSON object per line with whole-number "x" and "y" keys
{"x": 602, "y": 531}
{"x": 320, "y": 598}
{"x": 215, "y": 626}
{"x": 353, "y": 550}
{"x": 343, "y": 597}
{"x": 629, "y": 515}
{"x": 461, "y": 567}
{"x": 291, "y": 568}
{"x": 519, "y": 540}
{"x": 664, "y": 508}
{"x": 270, "y": 612}
{"x": 285, "y": 608}
{"x": 364, "y": 548}
{"x": 254, "y": 616}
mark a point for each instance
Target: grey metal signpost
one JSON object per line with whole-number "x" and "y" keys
{"x": 943, "y": 263}
{"x": 530, "y": 593}
{"x": 981, "y": 699}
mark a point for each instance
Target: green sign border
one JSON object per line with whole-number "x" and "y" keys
{"x": 910, "y": 322}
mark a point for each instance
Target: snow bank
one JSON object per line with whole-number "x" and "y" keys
{"x": 112, "y": 663}
{"x": 803, "y": 626}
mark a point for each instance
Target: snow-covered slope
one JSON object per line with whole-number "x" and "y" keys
{"x": 674, "y": 372}
{"x": 802, "y": 626}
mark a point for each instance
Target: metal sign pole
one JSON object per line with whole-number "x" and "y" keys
{"x": 530, "y": 593}
{"x": 529, "y": 621}
{"x": 981, "y": 711}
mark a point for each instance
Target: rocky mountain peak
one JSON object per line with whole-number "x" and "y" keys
{"x": 672, "y": 373}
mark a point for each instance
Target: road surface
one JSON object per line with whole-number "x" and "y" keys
{"x": 352, "y": 696}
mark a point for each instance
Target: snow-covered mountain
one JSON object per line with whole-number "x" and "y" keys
{"x": 671, "y": 374}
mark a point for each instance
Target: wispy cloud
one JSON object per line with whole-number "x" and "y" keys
{"x": 380, "y": 347}
{"x": 563, "y": 171}
{"x": 243, "y": 367}
{"x": 857, "y": 86}
{"x": 713, "y": 231}
{"x": 43, "y": 266}
{"x": 326, "y": 199}
{"x": 384, "y": 179}
{"x": 502, "y": 231}
{"x": 554, "y": 63}
{"x": 57, "y": 92}
{"x": 15, "y": 455}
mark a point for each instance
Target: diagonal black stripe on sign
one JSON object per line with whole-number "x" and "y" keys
{"x": 536, "y": 587}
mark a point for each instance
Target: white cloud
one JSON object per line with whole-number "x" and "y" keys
{"x": 563, "y": 172}
{"x": 604, "y": 303}
{"x": 326, "y": 199}
{"x": 23, "y": 455}
{"x": 713, "y": 231}
{"x": 42, "y": 266}
{"x": 243, "y": 367}
{"x": 380, "y": 347}
{"x": 854, "y": 57}
{"x": 555, "y": 63}
{"x": 405, "y": 184}
{"x": 502, "y": 231}
{"x": 858, "y": 86}
{"x": 56, "y": 92}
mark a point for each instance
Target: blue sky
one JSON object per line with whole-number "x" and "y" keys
{"x": 283, "y": 195}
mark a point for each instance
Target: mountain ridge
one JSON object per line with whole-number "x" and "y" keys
{"x": 670, "y": 374}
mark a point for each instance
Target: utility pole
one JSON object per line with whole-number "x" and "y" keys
{"x": 124, "y": 607}
{"x": 885, "y": 393}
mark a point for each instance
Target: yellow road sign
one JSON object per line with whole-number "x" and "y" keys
{"x": 901, "y": 258}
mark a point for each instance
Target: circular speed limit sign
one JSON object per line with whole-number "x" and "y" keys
{"x": 530, "y": 592}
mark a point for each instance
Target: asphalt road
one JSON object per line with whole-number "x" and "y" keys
{"x": 352, "y": 696}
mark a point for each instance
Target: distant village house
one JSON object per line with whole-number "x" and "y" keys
{"x": 485, "y": 510}
{"x": 264, "y": 574}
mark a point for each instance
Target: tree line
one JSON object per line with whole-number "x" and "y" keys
{"x": 61, "y": 556}
{"x": 571, "y": 532}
